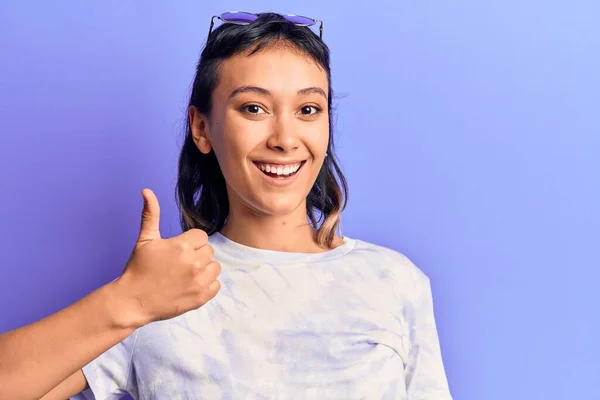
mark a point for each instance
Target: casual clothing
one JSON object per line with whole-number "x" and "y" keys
{"x": 355, "y": 322}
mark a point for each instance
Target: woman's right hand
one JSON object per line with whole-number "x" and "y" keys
{"x": 165, "y": 278}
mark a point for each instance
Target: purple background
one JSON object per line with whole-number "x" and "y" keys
{"x": 469, "y": 132}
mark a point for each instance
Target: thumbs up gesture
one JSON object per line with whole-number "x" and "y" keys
{"x": 165, "y": 278}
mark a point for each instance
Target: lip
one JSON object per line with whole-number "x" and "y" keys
{"x": 278, "y": 162}
{"x": 279, "y": 182}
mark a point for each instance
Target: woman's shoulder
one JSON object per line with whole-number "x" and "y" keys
{"x": 395, "y": 261}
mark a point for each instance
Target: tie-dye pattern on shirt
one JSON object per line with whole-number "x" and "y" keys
{"x": 355, "y": 322}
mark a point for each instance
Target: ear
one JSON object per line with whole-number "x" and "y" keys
{"x": 199, "y": 127}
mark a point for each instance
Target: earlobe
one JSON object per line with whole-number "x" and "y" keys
{"x": 200, "y": 133}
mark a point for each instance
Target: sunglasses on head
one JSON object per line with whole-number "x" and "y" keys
{"x": 245, "y": 18}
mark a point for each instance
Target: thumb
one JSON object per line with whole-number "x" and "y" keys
{"x": 150, "y": 228}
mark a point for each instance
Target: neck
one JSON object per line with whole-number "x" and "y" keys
{"x": 290, "y": 233}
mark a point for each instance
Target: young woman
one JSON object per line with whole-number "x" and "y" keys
{"x": 297, "y": 312}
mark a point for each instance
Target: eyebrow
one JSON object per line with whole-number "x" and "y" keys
{"x": 263, "y": 91}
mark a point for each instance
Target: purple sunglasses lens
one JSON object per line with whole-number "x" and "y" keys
{"x": 238, "y": 18}
{"x": 299, "y": 20}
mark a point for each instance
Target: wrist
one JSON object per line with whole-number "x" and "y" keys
{"x": 123, "y": 309}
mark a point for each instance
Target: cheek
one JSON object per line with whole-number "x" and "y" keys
{"x": 232, "y": 143}
{"x": 241, "y": 134}
{"x": 224, "y": 133}
{"x": 319, "y": 141}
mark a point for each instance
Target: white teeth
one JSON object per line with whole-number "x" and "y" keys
{"x": 279, "y": 169}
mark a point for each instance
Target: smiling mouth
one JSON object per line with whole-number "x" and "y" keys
{"x": 278, "y": 171}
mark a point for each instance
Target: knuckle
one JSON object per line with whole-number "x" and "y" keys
{"x": 197, "y": 284}
{"x": 183, "y": 246}
{"x": 208, "y": 275}
{"x": 206, "y": 253}
{"x": 201, "y": 282}
{"x": 210, "y": 267}
{"x": 209, "y": 292}
{"x": 217, "y": 266}
{"x": 202, "y": 236}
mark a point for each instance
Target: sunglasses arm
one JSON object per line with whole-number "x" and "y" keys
{"x": 212, "y": 23}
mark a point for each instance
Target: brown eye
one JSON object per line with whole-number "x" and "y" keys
{"x": 309, "y": 110}
{"x": 253, "y": 109}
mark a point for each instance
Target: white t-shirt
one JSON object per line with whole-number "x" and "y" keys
{"x": 355, "y": 322}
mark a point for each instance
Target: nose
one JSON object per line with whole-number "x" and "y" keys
{"x": 284, "y": 136}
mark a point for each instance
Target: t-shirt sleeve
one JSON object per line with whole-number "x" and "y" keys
{"x": 425, "y": 375}
{"x": 108, "y": 375}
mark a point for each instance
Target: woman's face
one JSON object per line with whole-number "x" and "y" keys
{"x": 269, "y": 129}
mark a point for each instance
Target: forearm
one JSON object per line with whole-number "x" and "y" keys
{"x": 37, "y": 357}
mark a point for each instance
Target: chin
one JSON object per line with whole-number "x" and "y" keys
{"x": 281, "y": 205}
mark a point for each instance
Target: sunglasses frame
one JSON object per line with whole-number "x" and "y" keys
{"x": 225, "y": 21}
